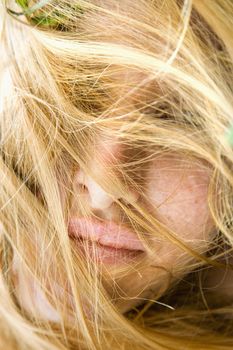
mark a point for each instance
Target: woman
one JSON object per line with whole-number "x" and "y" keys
{"x": 116, "y": 174}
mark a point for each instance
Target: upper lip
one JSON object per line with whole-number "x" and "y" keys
{"x": 107, "y": 233}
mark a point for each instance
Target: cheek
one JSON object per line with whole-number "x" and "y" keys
{"x": 178, "y": 191}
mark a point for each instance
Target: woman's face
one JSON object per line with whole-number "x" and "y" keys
{"x": 176, "y": 189}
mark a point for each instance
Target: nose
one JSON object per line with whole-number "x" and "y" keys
{"x": 98, "y": 198}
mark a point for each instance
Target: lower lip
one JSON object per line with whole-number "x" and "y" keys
{"x": 106, "y": 255}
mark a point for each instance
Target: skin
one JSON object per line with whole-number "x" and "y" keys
{"x": 176, "y": 188}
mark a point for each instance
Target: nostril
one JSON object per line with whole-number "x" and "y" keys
{"x": 80, "y": 182}
{"x": 82, "y": 188}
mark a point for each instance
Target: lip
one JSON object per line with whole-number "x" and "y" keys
{"x": 107, "y": 234}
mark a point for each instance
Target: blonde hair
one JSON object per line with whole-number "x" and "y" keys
{"x": 156, "y": 74}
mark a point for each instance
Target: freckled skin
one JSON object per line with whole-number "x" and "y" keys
{"x": 176, "y": 190}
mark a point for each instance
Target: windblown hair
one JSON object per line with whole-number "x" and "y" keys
{"x": 156, "y": 75}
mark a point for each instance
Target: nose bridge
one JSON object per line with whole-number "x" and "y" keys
{"x": 110, "y": 150}
{"x": 106, "y": 155}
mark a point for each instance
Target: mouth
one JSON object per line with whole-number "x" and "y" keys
{"x": 105, "y": 242}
